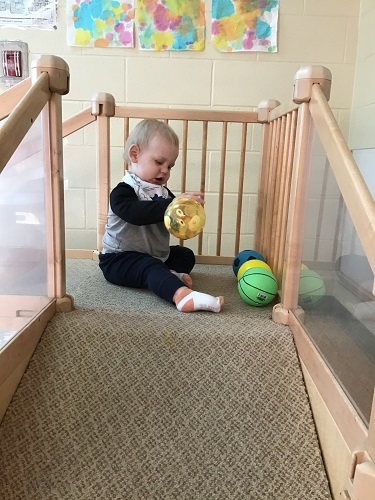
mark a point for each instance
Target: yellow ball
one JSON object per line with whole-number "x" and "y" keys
{"x": 184, "y": 218}
{"x": 250, "y": 264}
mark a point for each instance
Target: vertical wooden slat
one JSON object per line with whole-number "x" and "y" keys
{"x": 184, "y": 155}
{"x": 126, "y": 135}
{"x": 203, "y": 175}
{"x": 266, "y": 191}
{"x": 270, "y": 187}
{"x": 103, "y": 187}
{"x": 276, "y": 204}
{"x": 286, "y": 183}
{"x": 262, "y": 186}
{"x": 298, "y": 202}
{"x": 57, "y": 194}
{"x": 185, "y": 132}
{"x": 240, "y": 189}
{"x": 48, "y": 204}
{"x": 221, "y": 187}
{"x": 204, "y": 157}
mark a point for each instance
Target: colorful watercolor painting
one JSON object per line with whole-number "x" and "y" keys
{"x": 245, "y": 25}
{"x": 171, "y": 24}
{"x": 101, "y": 23}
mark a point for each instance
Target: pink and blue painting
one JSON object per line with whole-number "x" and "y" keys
{"x": 171, "y": 24}
{"x": 101, "y": 23}
{"x": 245, "y": 25}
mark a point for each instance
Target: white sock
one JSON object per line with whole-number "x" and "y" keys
{"x": 201, "y": 302}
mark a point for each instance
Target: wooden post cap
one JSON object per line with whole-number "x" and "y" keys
{"x": 306, "y": 77}
{"x": 103, "y": 104}
{"x": 58, "y": 72}
{"x": 264, "y": 107}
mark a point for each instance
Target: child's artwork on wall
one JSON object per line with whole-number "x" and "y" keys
{"x": 171, "y": 24}
{"x": 100, "y": 23}
{"x": 245, "y": 25}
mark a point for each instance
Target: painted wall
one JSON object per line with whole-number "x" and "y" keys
{"x": 362, "y": 121}
{"x": 310, "y": 32}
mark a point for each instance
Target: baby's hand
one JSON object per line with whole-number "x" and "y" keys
{"x": 195, "y": 195}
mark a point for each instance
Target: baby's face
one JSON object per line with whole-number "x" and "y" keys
{"x": 154, "y": 161}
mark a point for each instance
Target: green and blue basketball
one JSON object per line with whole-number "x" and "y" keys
{"x": 243, "y": 257}
{"x": 311, "y": 289}
{"x": 257, "y": 286}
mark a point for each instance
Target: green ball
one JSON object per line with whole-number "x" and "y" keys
{"x": 311, "y": 289}
{"x": 257, "y": 286}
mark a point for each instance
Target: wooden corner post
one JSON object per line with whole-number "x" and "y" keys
{"x": 103, "y": 107}
{"x": 58, "y": 82}
{"x": 304, "y": 80}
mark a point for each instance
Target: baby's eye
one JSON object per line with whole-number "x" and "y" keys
{"x": 158, "y": 162}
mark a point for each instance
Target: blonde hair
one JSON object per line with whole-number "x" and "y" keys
{"x": 146, "y": 130}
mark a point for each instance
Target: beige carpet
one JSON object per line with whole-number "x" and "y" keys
{"x": 126, "y": 398}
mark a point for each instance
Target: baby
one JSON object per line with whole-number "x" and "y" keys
{"x": 136, "y": 248}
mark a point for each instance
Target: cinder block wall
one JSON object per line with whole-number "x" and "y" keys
{"x": 310, "y": 32}
{"x": 362, "y": 121}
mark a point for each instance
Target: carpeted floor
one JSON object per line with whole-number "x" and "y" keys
{"x": 126, "y": 398}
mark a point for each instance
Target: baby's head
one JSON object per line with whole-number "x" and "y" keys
{"x": 145, "y": 131}
{"x": 151, "y": 151}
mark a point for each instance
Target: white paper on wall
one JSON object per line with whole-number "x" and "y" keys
{"x": 28, "y": 13}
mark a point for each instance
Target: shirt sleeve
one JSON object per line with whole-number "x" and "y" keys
{"x": 126, "y": 205}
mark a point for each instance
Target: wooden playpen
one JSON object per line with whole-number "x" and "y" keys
{"x": 281, "y": 198}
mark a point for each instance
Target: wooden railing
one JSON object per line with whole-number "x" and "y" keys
{"x": 283, "y": 178}
{"x": 104, "y": 111}
{"x": 21, "y": 105}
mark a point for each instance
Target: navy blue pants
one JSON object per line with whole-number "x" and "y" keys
{"x": 140, "y": 270}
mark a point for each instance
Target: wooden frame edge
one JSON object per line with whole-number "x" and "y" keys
{"x": 15, "y": 356}
{"x": 81, "y": 254}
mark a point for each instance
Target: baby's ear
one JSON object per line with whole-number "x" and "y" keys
{"x": 133, "y": 153}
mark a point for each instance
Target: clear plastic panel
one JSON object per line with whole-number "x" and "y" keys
{"x": 23, "y": 248}
{"x": 336, "y": 286}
